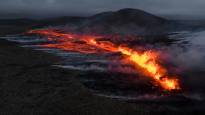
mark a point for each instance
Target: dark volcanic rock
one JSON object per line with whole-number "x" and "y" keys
{"x": 30, "y": 85}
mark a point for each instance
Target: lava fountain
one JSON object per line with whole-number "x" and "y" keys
{"x": 147, "y": 60}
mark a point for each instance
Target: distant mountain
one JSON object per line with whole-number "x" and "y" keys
{"x": 126, "y": 21}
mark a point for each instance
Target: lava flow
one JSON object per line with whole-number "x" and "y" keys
{"x": 147, "y": 60}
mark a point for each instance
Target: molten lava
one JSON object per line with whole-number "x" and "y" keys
{"x": 147, "y": 60}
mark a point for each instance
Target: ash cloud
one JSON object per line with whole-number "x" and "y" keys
{"x": 191, "y": 55}
{"x": 189, "y": 58}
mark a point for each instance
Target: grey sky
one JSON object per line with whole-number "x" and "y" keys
{"x": 45, "y": 8}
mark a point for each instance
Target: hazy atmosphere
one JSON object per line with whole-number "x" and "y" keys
{"x": 53, "y": 8}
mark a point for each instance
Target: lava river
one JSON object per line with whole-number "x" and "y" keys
{"x": 146, "y": 60}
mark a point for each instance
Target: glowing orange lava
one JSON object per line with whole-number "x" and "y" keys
{"x": 147, "y": 60}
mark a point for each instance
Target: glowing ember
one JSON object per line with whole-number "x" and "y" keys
{"x": 147, "y": 60}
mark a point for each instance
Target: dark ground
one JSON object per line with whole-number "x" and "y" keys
{"x": 30, "y": 85}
